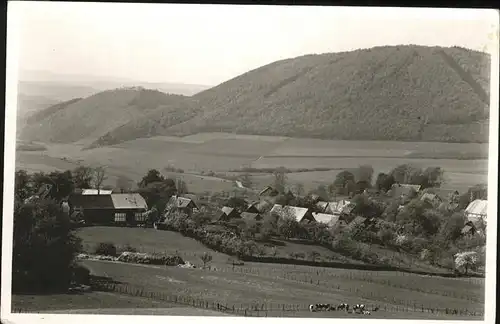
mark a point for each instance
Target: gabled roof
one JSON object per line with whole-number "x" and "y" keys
{"x": 129, "y": 201}
{"x": 265, "y": 190}
{"x": 250, "y": 216}
{"x": 467, "y": 229}
{"x": 430, "y": 196}
{"x": 227, "y": 210}
{"x": 327, "y": 219}
{"x": 336, "y": 207}
{"x": 357, "y": 221}
{"x": 477, "y": 208}
{"x": 92, "y": 201}
{"x": 181, "y": 202}
{"x": 297, "y": 212}
{"x": 96, "y": 192}
{"x": 261, "y": 206}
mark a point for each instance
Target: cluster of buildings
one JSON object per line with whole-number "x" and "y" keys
{"x": 103, "y": 207}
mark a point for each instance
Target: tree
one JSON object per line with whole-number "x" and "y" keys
{"x": 99, "y": 177}
{"x": 384, "y": 182}
{"x": 322, "y": 192}
{"x": 299, "y": 189}
{"x": 287, "y": 224}
{"x": 466, "y": 261}
{"x": 403, "y": 173}
{"x": 280, "y": 179}
{"x": 342, "y": 179}
{"x": 83, "y": 177}
{"x": 21, "y": 185}
{"x": 181, "y": 186}
{"x": 434, "y": 177}
{"x": 451, "y": 229}
{"x": 152, "y": 176}
{"x": 237, "y": 202}
{"x": 44, "y": 247}
{"x": 364, "y": 173}
{"x": 206, "y": 258}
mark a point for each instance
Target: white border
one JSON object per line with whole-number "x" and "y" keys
{"x": 9, "y": 168}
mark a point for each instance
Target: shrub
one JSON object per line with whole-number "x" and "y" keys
{"x": 106, "y": 248}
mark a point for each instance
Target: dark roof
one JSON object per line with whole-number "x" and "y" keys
{"x": 467, "y": 229}
{"x": 92, "y": 201}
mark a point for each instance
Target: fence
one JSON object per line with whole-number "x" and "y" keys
{"x": 264, "y": 309}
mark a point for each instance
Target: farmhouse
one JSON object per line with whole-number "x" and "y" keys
{"x": 259, "y": 207}
{"x": 301, "y": 215}
{"x": 109, "y": 208}
{"x": 226, "y": 214}
{"x": 268, "y": 191}
{"x": 432, "y": 198}
{"x": 182, "y": 204}
{"x": 337, "y": 207}
{"x": 251, "y": 216}
{"x": 477, "y": 210}
{"x": 327, "y": 219}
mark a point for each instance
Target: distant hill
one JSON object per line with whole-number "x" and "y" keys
{"x": 28, "y": 105}
{"x": 410, "y": 93}
{"x": 64, "y": 87}
{"x": 85, "y": 120}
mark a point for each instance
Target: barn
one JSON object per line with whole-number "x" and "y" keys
{"x": 185, "y": 205}
{"x": 301, "y": 215}
{"x": 226, "y": 214}
{"x": 109, "y": 209}
{"x": 477, "y": 210}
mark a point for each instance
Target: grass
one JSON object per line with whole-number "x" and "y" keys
{"x": 274, "y": 285}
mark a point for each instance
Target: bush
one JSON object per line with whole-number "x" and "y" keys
{"x": 106, "y": 248}
{"x": 42, "y": 237}
{"x": 81, "y": 275}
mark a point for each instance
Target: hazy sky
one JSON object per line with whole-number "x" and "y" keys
{"x": 209, "y": 44}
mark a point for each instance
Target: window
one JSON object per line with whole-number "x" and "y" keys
{"x": 120, "y": 217}
{"x": 140, "y": 217}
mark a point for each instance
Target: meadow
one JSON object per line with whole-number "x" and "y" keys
{"x": 279, "y": 289}
{"x": 465, "y": 164}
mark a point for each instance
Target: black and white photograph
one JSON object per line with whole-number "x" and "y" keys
{"x": 212, "y": 162}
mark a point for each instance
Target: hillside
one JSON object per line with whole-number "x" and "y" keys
{"x": 407, "y": 93}
{"x": 85, "y": 120}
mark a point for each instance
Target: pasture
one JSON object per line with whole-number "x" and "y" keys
{"x": 282, "y": 290}
{"x": 465, "y": 164}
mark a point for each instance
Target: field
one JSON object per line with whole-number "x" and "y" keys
{"x": 273, "y": 289}
{"x": 254, "y": 289}
{"x": 464, "y": 164}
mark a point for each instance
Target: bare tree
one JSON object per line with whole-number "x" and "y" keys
{"x": 99, "y": 177}
{"x": 206, "y": 258}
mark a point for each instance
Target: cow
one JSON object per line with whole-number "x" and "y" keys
{"x": 312, "y": 308}
{"x": 343, "y": 306}
{"x": 365, "y": 312}
{"x": 358, "y": 307}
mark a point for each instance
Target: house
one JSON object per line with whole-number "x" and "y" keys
{"x": 357, "y": 223}
{"x": 251, "y": 216}
{"x": 109, "y": 209}
{"x": 337, "y": 207}
{"x": 327, "y": 219}
{"x": 469, "y": 229}
{"x": 322, "y": 206}
{"x": 432, "y": 198}
{"x": 181, "y": 204}
{"x": 226, "y": 214}
{"x": 268, "y": 191}
{"x": 477, "y": 210}
{"x": 259, "y": 207}
{"x": 301, "y": 215}
{"x": 129, "y": 208}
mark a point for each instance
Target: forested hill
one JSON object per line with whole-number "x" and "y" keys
{"x": 411, "y": 93}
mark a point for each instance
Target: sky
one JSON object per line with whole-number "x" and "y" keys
{"x": 210, "y": 44}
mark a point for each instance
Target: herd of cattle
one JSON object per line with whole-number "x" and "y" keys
{"x": 358, "y": 308}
